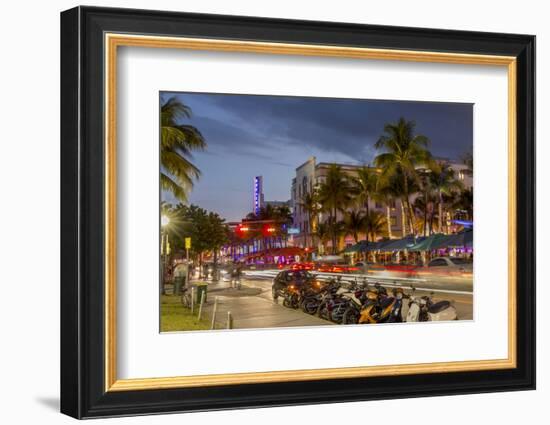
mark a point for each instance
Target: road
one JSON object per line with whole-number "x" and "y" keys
{"x": 253, "y": 307}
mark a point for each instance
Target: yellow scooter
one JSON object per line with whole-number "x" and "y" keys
{"x": 384, "y": 309}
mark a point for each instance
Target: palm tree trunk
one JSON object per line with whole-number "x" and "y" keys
{"x": 413, "y": 218}
{"x": 334, "y": 242}
{"x": 440, "y": 212}
{"x": 425, "y": 228}
{"x": 403, "y": 219}
{"x": 367, "y": 224}
{"x": 388, "y": 220}
{"x": 407, "y": 203}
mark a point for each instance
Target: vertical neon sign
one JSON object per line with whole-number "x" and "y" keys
{"x": 257, "y": 194}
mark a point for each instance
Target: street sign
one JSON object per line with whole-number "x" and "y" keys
{"x": 187, "y": 243}
{"x": 293, "y": 231}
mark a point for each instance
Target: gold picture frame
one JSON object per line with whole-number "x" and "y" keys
{"x": 114, "y": 41}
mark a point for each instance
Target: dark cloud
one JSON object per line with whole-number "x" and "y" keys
{"x": 347, "y": 126}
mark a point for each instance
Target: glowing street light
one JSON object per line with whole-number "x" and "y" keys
{"x": 164, "y": 220}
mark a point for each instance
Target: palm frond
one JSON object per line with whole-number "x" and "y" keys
{"x": 170, "y": 185}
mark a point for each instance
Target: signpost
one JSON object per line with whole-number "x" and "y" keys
{"x": 187, "y": 248}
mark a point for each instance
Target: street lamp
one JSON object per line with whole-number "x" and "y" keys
{"x": 164, "y": 220}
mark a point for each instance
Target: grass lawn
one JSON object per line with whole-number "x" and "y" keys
{"x": 175, "y": 317}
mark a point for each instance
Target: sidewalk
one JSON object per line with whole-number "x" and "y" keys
{"x": 250, "y": 307}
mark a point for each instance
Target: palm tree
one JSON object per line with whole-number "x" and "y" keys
{"x": 443, "y": 182}
{"x": 353, "y": 224}
{"x": 364, "y": 187}
{"x": 468, "y": 160}
{"x": 283, "y": 216}
{"x": 177, "y": 141}
{"x": 387, "y": 192}
{"x": 323, "y": 234}
{"x": 464, "y": 201}
{"x": 425, "y": 206}
{"x": 375, "y": 222}
{"x": 310, "y": 204}
{"x": 404, "y": 151}
{"x": 335, "y": 193}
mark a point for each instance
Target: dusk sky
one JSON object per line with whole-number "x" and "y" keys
{"x": 251, "y": 135}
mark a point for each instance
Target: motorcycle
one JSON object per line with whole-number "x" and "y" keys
{"x": 386, "y": 309}
{"x": 294, "y": 294}
{"x": 312, "y": 297}
{"x": 362, "y": 298}
{"x": 423, "y": 309}
{"x": 336, "y": 302}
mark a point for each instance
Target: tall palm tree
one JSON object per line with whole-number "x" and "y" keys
{"x": 364, "y": 188}
{"x": 177, "y": 141}
{"x": 425, "y": 206}
{"x": 443, "y": 182}
{"x": 364, "y": 185}
{"x": 387, "y": 192}
{"x": 335, "y": 193}
{"x": 310, "y": 204}
{"x": 464, "y": 201}
{"x": 468, "y": 160}
{"x": 353, "y": 224}
{"x": 323, "y": 234}
{"x": 283, "y": 214}
{"x": 376, "y": 223}
{"x": 404, "y": 151}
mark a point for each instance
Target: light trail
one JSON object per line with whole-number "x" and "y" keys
{"x": 392, "y": 282}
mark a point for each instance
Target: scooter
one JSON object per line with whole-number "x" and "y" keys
{"x": 295, "y": 294}
{"x": 387, "y": 309}
{"x": 312, "y": 297}
{"x": 363, "y": 297}
{"x": 334, "y": 305}
{"x": 423, "y": 309}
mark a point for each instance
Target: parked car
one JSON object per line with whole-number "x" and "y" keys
{"x": 289, "y": 277}
{"x": 450, "y": 265}
{"x": 447, "y": 269}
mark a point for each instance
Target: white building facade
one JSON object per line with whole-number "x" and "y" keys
{"x": 311, "y": 174}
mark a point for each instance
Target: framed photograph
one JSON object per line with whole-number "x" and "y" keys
{"x": 261, "y": 212}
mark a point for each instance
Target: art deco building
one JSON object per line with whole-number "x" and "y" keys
{"x": 311, "y": 174}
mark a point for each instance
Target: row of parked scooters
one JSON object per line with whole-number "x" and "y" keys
{"x": 358, "y": 303}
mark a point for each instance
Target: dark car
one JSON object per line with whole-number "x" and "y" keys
{"x": 290, "y": 277}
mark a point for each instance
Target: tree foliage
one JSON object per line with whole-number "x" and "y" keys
{"x": 177, "y": 141}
